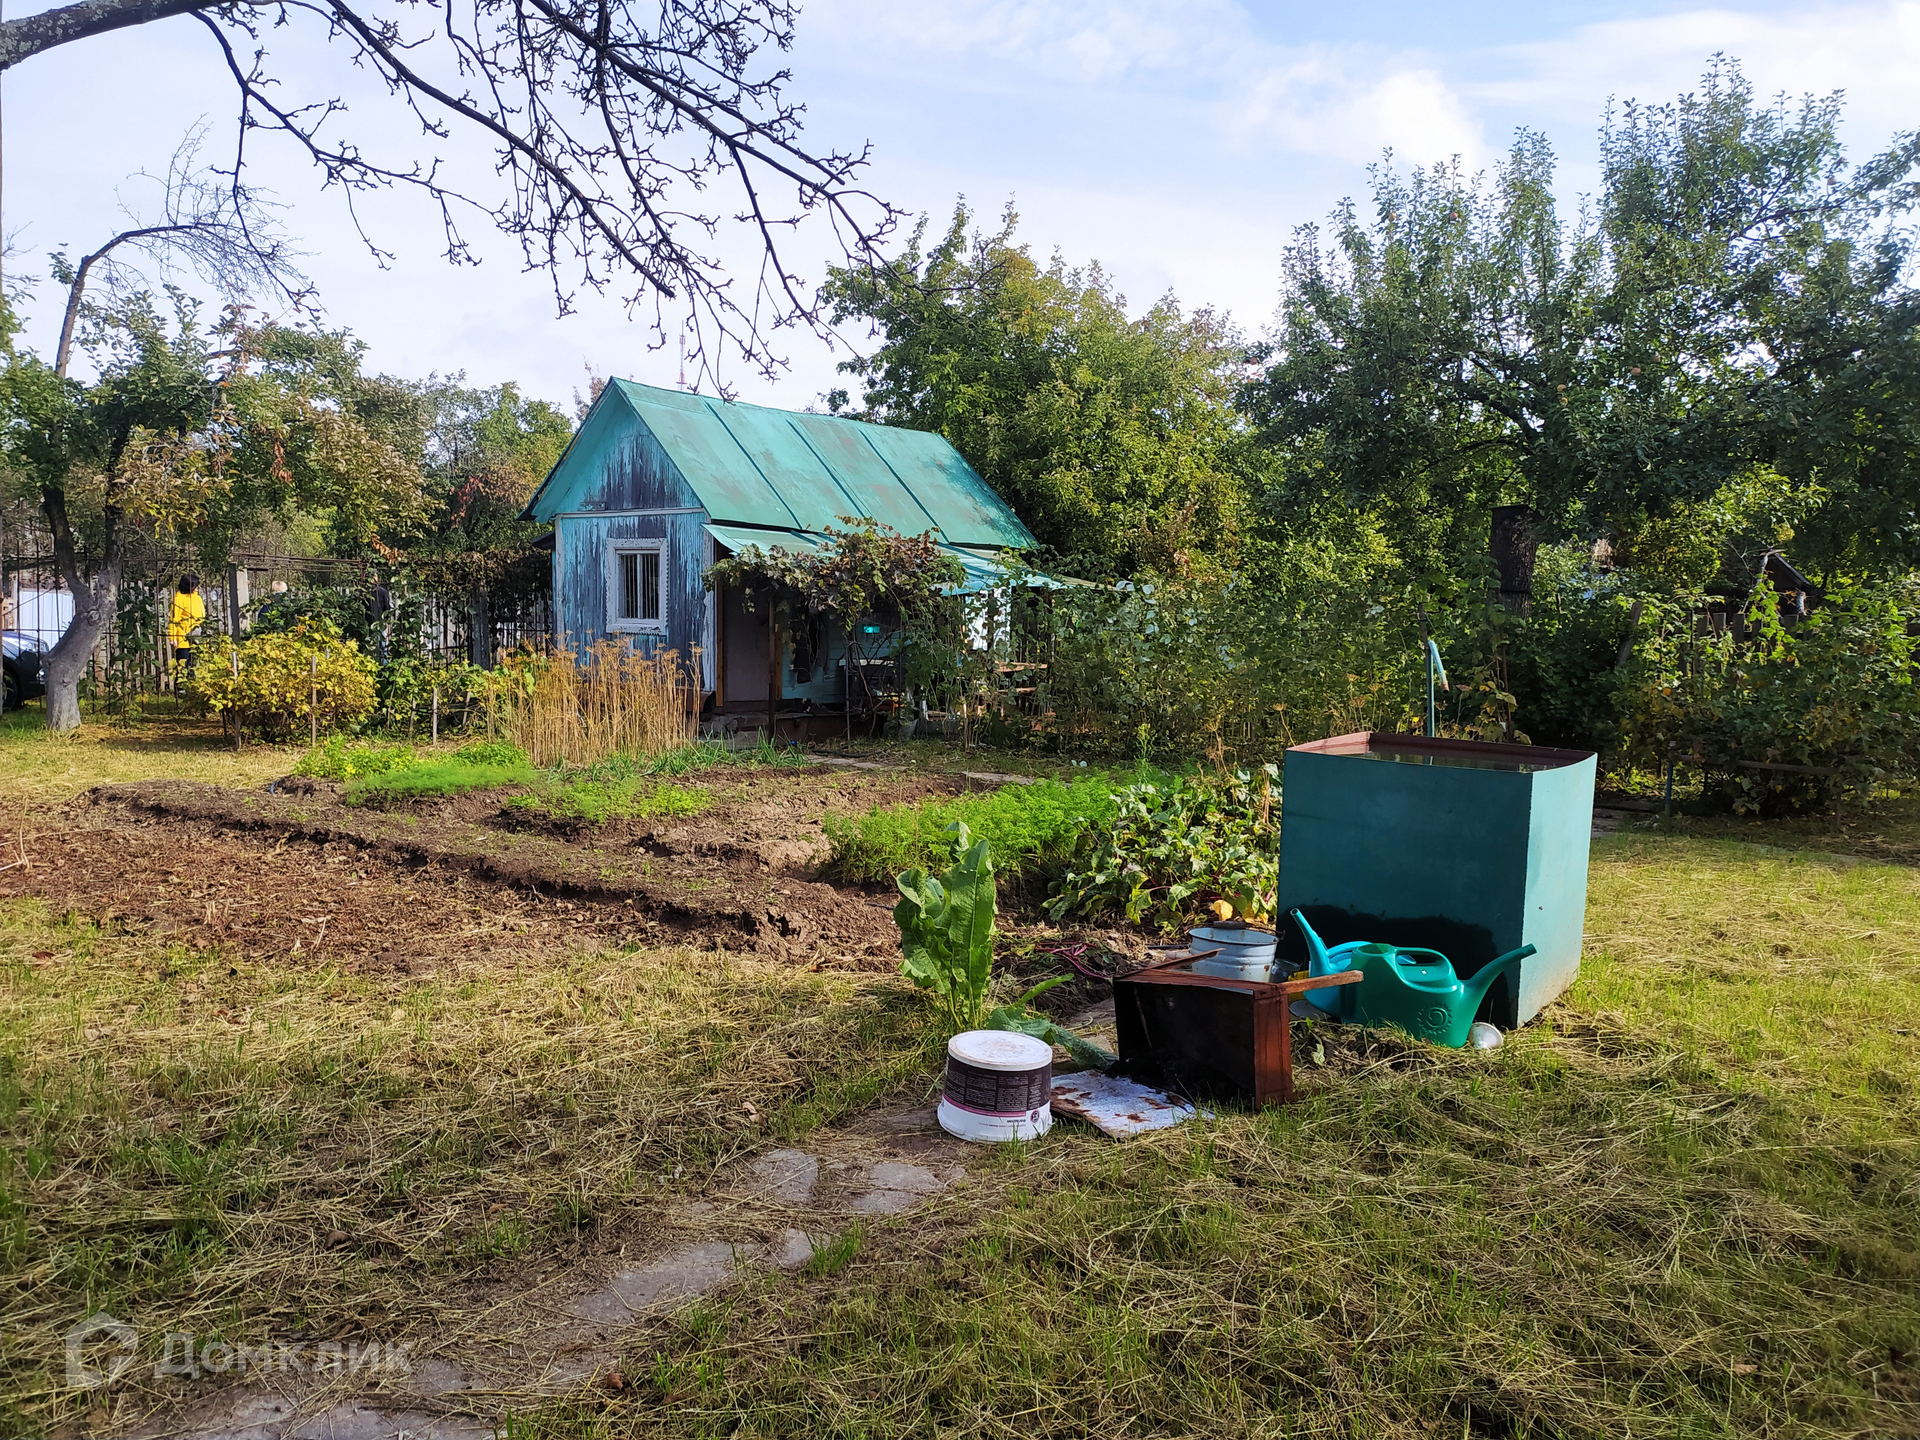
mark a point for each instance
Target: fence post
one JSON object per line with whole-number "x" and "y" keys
{"x": 313, "y": 699}
{"x": 238, "y": 741}
{"x": 436, "y": 714}
{"x": 238, "y": 596}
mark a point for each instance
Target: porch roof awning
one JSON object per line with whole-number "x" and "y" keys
{"x": 984, "y": 570}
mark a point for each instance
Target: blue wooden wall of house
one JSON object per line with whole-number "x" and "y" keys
{"x": 695, "y": 476}
{"x": 633, "y": 491}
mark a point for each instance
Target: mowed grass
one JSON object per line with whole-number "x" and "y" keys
{"x": 1685, "y": 1205}
{"x": 189, "y": 1142}
{"x": 39, "y": 768}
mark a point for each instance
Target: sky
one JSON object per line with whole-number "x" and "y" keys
{"x": 1178, "y": 142}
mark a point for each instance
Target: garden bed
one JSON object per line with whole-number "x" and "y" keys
{"x": 294, "y": 870}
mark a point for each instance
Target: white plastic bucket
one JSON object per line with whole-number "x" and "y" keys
{"x": 997, "y": 1086}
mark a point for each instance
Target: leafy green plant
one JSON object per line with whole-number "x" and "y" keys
{"x": 269, "y": 683}
{"x": 946, "y": 929}
{"x": 1033, "y": 829}
{"x": 1020, "y": 1017}
{"x": 337, "y": 758}
{"x": 491, "y": 752}
{"x": 1787, "y": 716}
{"x": 408, "y": 685}
{"x": 594, "y": 802}
{"x": 431, "y": 778}
{"x": 1176, "y": 843}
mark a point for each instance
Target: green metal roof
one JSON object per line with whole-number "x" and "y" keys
{"x": 750, "y": 465}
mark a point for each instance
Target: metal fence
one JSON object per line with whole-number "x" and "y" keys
{"x": 130, "y": 657}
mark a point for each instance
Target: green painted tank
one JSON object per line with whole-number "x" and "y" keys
{"x": 1471, "y": 849}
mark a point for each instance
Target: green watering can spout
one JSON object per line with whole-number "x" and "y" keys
{"x": 1476, "y": 988}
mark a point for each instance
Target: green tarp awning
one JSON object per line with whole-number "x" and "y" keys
{"x": 984, "y": 571}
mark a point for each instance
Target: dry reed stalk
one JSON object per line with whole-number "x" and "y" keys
{"x": 561, "y": 708}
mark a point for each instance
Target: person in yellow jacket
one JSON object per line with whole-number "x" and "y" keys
{"x": 188, "y": 614}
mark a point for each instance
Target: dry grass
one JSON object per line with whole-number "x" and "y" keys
{"x": 562, "y": 709}
{"x": 198, "y": 1144}
{"x": 1684, "y": 1207}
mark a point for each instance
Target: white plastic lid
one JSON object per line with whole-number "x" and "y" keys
{"x": 1000, "y": 1050}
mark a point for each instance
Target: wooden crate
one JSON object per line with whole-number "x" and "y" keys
{"x": 1207, "y": 1037}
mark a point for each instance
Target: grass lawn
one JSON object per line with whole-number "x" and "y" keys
{"x": 1685, "y": 1206}
{"x": 1682, "y": 1204}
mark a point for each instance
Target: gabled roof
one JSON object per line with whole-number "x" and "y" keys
{"x": 750, "y": 465}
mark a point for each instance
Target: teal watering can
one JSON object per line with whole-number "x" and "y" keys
{"x": 1423, "y": 997}
{"x": 1325, "y": 960}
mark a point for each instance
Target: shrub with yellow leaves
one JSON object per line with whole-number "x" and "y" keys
{"x": 272, "y": 684}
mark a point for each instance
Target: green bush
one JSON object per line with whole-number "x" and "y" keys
{"x": 282, "y": 683}
{"x": 407, "y": 685}
{"x": 1834, "y": 694}
{"x": 1172, "y": 845}
{"x": 1033, "y": 829}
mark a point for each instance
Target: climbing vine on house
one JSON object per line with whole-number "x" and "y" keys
{"x": 867, "y": 571}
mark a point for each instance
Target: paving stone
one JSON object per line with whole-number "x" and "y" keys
{"x": 787, "y": 1176}
{"x": 691, "y": 1270}
{"x": 793, "y": 1249}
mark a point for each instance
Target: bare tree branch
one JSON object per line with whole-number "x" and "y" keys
{"x": 610, "y": 121}
{"x": 32, "y": 34}
{"x": 209, "y": 223}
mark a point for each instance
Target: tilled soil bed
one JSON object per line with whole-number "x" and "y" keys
{"x": 292, "y": 872}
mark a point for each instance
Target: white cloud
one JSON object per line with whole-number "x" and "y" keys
{"x": 1341, "y": 107}
{"x": 1088, "y": 42}
{"x": 1872, "y": 52}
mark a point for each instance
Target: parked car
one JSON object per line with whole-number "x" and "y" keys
{"x": 23, "y": 674}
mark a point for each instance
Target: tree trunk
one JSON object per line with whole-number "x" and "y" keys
{"x": 92, "y": 611}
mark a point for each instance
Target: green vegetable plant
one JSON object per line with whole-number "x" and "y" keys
{"x": 595, "y": 802}
{"x": 336, "y": 758}
{"x": 946, "y": 929}
{"x": 1173, "y": 845}
{"x": 430, "y": 779}
{"x": 1020, "y": 1017}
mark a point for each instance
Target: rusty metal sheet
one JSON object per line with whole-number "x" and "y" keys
{"x": 1118, "y": 1107}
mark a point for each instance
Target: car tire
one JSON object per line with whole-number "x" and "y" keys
{"x": 9, "y": 694}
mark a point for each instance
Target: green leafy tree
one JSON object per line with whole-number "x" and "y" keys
{"x": 487, "y": 450}
{"x": 190, "y": 432}
{"x": 1113, "y": 437}
{"x": 1735, "y": 298}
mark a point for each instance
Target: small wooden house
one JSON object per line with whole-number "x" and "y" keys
{"x": 658, "y": 484}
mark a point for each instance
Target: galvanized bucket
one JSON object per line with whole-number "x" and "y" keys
{"x": 1246, "y": 951}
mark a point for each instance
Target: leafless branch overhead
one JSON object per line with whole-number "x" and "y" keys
{"x": 611, "y": 125}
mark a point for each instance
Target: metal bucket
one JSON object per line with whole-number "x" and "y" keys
{"x": 1246, "y": 951}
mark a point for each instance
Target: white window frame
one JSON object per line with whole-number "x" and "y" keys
{"x": 618, "y": 624}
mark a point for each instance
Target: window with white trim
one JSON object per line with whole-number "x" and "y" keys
{"x": 637, "y": 586}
